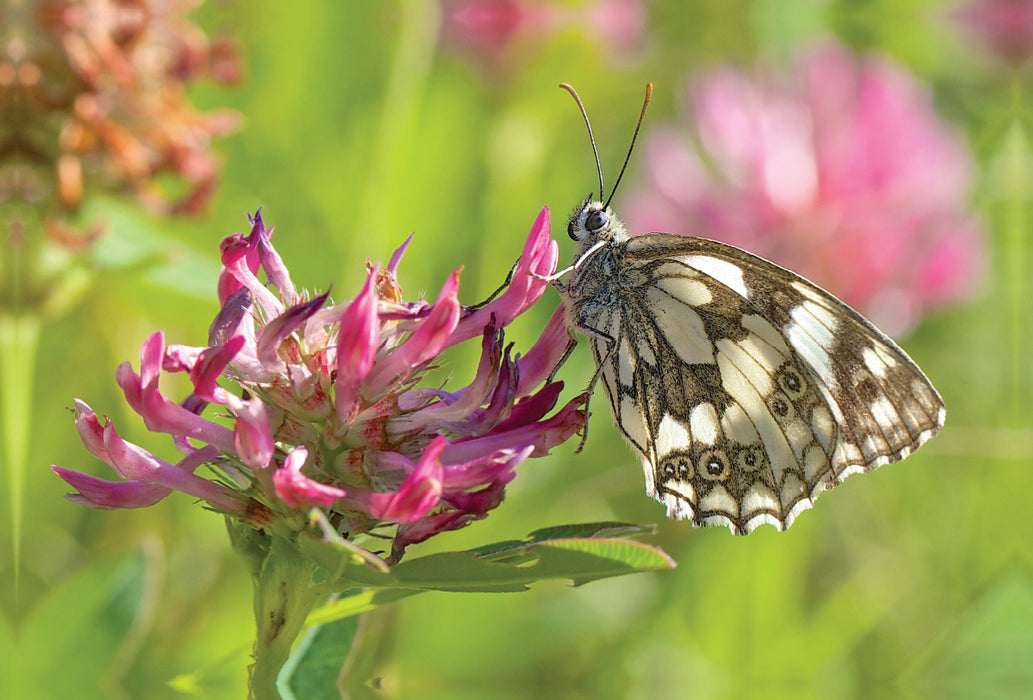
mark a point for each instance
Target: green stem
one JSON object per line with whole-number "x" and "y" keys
{"x": 285, "y": 593}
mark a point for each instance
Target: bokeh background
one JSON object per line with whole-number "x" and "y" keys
{"x": 364, "y": 122}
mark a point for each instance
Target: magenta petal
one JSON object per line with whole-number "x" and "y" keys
{"x": 237, "y": 257}
{"x": 453, "y": 408}
{"x": 252, "y": 435}
{"x": 499, "y": 403}
{"x": 543, "y": 435}
{"x": 233, "y": 312}
{"x": 273, "y": 265}
{"x": 160, "y": 414}
{"x": 419, "y": 492}
{"x": 357, "y": 342}
{"x": 152, "y": 352}
{"x": 396, "y": 257}
{"x": 532, "y": 408}
{"x": 232, "y": 249}
{"x": 480, "y": 502}
{"x": 91, "y": 432}
{"x": 209, "y": 367}
{"x": 539, "y": 256}
{"x": 483, "y": 471}
{"x": 110, "y": 495}
{"x": 541, "y": 359}
{"x": 180, "y": 358}
{"x": 426, "y": 527}
{"x": 423, "y": 344}
{"x": 297, "y": 490}
{"x": 279, "y": 329}
{"x": 134, "y": 463}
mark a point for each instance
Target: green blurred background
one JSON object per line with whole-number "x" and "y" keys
{"x": 360, "y": 128}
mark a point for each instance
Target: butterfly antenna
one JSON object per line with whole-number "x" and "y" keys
{"x": 591, "y": 137}
{"x": 641, "y": 116}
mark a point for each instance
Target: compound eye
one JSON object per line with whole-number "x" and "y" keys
{"x": 596, "y": 220}
{"x": 570, "y": 230}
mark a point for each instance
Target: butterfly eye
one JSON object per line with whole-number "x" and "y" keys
{"x": 570, "y": 231}
{"x": 596, "y": 220}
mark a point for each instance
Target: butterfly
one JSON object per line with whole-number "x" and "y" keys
{"x": 745, "y": 389}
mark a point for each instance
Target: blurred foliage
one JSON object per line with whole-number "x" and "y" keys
{"x": 359, "y": 129}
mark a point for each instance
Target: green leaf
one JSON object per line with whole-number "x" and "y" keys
{"x": 316, "y": 664}
{"x": 356, "y": 602}
{"x": 339, "y": 556}
{"x": 512, "y": 565}
{"x": 580, "y": 530}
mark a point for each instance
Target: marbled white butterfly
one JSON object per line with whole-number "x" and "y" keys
{"x": 746, "y": 389}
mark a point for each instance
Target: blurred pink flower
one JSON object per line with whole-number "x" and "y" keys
{"x": 326, "y": 407}
{"x": 496, "y": 33}
{"x": 1004, "y": 27}
{"x": 842, "y": 173}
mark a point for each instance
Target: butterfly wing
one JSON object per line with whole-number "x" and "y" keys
{"x": 747, "y": 389}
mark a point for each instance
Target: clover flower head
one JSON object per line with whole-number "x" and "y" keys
{"x": 324, "y": 405}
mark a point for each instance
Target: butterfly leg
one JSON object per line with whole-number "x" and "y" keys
{"x": 577, "y": 263}
{"x": 611, "y": 343}
{"x": 571, "y": 344}
{"x": 502, "y": 288}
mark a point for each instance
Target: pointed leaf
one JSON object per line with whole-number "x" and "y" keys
{"x": 511, "y": 565}
{"x": 315, "y": 665}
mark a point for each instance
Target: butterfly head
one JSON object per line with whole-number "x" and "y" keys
{"x": 592, "y": 222}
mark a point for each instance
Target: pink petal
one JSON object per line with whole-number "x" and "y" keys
{"x": 234, "y": 311}
{"x": 160, "y": 414}
{"x": 539, "y": 256}
{"x": 136, "y": 464}
{"x": 543, "y": 435}
{"x": 296, "y": 489}
{"x": 233, "y": 248}
{"x": 483, "y": 471}
{"x": 275, "y": 270}
{"x": 91, "y": 432}
{"x": 237, "y": 257}
{"x": 357, "y": 343}
{"x": 541, "y": 359}
{"x": 461, "y": 404}
{"x": 279, "y": 329}
{"x": 426, "y": 527}
{"x": 419, "y": 492}
{"x": 396, "y": 257}
{"x": 209, "y": 367}
{"x": 252, "y": 436}
{"x": 110, "y": 495}
{"x": 423, "y": 344}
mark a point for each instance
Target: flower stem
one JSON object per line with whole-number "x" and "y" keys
{"x": 284, "y": 593}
